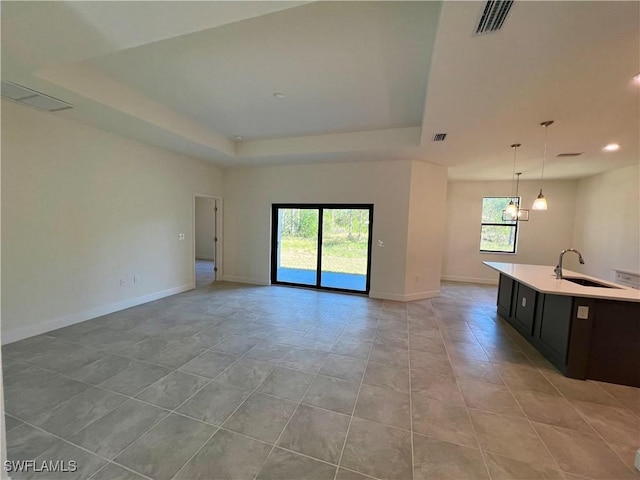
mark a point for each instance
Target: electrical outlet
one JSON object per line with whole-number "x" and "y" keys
{"x": 136, "y": 279}
{"x": 583, "y": 312}
{"x": 181, "y": 236}
{"x": 524, "y": 301}
{"x": 122, "y": 282}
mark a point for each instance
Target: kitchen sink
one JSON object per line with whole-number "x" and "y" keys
{"x": 586, "y": 282}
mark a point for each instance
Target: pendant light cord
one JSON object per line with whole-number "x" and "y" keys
{"x": 513, "y": 173}
{"x": 544, "y": 155}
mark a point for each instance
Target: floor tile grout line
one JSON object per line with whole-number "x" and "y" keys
{"x": 475, "y": 432}
{"x": 275, "y": 444}
{"x": 293, "y": 414}
{"x": 530, "y": 422}
{"x": 80, "y": 393}
{"x": 511, "y": 391}
{"x": 235, "y": 410}
{"x": 170, "y": 411}
{"x": 355, "y": 403}
{"x": 205, "y": 349}
{"x": 413, "y": 457}
{"x": 110, "y": 462}
{"x": 596, "y": 434}
{"x": 218, "y": 427}
{"x": 196, "y": 453}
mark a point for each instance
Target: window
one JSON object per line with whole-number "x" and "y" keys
{"x": 498, "y": 235}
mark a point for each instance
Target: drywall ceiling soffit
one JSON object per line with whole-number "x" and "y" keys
{"x": 571, "y": 62}
{"x": 567, "y": 61}
{"x": 54, "y": 33}
{"x": 364, "y": 64}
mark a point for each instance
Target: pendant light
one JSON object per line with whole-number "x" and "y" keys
{"x": 513, "y": 212}
{"x": 540, "y": 203}
{"x": 522, "y": 215}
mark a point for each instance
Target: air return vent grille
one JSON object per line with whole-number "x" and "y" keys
{"x": 439, "y": 137}
{"x": 570, "y": 154}
{"x": 494, "y": 15}
{"x": 26, "y": 96}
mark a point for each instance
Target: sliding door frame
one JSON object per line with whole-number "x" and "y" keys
{"x": 321, "y": 208}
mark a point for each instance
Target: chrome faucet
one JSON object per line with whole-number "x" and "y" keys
{"x": 558, "y": 269}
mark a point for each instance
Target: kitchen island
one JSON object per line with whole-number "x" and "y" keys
{"x": 584, "y": 331}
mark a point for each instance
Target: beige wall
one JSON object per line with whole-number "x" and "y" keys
{"x": 82, "y": 209}
{"x": 426, "y": 226}
{"x": 205, "y": 228}
{"x": 540, "y": 239}
{"x": 249, "y": 193}
{"x": 607, "y": 227}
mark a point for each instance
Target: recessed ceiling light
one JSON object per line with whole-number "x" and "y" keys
{"x": 636, "y": 78}
{"x": 612, "y": 147}
{"x": 279, "y": 95}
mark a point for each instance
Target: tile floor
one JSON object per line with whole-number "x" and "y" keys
{"x": 244, "y": 382}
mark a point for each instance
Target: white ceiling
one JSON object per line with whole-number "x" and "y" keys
{"x": 362, "y": 80}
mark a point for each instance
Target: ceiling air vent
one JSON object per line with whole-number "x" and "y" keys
{"x": 29, "y": 97}
{"x": 439, "y": 137}
{"x": 494, "y": 15}
{"x": 570, "y": 154}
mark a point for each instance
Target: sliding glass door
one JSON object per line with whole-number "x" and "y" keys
{"x": 322, "y": 246}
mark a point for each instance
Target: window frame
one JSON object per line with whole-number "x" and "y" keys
{"x": 505, "y": 223}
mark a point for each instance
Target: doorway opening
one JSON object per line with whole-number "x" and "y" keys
{"x": 325, "y": 246}
{"x": 206, "y": 233}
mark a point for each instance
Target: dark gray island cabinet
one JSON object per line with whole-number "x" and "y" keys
{"x": 585, "y": 332}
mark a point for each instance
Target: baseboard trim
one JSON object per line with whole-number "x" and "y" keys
{"x": 67, "y": 320}
{"x": 454, "y": 278}
{"x": 398, "y": 297}
{"x": 249, "y": 280}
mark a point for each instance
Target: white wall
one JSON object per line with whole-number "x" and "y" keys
{"x": 249, "y": 193}
{"x": 425, "y": 237}
{"x": 83, "y": 208}
{"x": 3, "y": 433}
{"x": 205, "y": 228}
{"x": 607, "y": 227}
{"x": 540, "y": 241}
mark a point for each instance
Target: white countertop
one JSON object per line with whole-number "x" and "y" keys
{"x": 542, "y": 279}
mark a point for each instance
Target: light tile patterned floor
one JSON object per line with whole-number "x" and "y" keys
{"x": 244, "y": 382}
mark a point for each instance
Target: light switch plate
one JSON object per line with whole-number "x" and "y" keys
{"x": 524, "y": 301}
{"x": 583, "y": 312}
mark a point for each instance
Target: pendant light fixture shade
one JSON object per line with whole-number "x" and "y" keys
{"x": 540, "y": 203}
